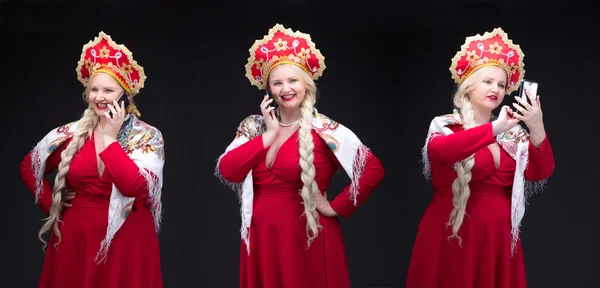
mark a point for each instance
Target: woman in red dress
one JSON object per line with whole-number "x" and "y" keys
{"x": 482, "y": 169}
{"x": 281, "y": 164}
{"x": 112, "y": 162}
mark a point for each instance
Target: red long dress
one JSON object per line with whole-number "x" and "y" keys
{"x": 484, "y": 259}
{"x": 133, "y": 259}
{"x": 278, "y": 255}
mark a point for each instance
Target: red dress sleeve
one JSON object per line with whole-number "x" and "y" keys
{"x": 125, "y": 173}
{"x": 368, "y": 181}
{"x": 28, "y": 175}
{"x": 541, "y": 161}
{"x": 449, "y": 149}
{"x": 237, "y": 163}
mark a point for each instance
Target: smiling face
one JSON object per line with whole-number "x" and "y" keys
{"x": 489, "y": 92}
{"x": 103, "y": 90}
{"x": 286, "y": 87}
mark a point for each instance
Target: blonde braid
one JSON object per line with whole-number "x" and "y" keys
{"x": 460, "y": 186}
{"x": 132, "y": 109}
{"x": 85, "y": 127}
{"x": 310, "y": 188}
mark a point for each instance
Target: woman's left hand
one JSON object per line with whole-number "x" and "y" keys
{"x": 532, "y": 114}
{"x": 323, "y": 205}
{"x": 69, "y": 195}
{"x": 114, "y": 123}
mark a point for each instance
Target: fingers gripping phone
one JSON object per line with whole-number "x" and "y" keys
{"x": 122, "y": 98}
{"x": 531, "y": 87}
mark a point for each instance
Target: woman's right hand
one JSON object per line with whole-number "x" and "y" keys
{"x": 506, "y": 120}
{"x": 268, "y": 113}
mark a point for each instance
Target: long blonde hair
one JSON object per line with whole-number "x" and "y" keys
{"x": 460, "y": 186}
{"x": 310, "y": 187}
{"x": 85, "y": 128}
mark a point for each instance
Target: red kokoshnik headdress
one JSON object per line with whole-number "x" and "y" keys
{"x": 281, "y": 46}
{"x": 493, "y": 48}
{"x": 104, "y": 55}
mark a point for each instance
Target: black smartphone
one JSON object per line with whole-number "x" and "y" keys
{"x": 273, "y": 103}
{"x": 122, "y": 98}
{"x": 531, "y": 87}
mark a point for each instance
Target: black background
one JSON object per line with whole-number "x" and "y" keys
{"x": 387, "y": 76}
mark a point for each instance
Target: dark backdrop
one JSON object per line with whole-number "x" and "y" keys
{"x": 387, "y": 76}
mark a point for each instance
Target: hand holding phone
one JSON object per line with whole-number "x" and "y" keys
{"x": 529, "y": 86}
{"x": 122, "y": 98}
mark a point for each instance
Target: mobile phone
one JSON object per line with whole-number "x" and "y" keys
{"x": 122, "y": 98}
{"x": 273, "y": 103}
{"x": 530, "y": 86}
